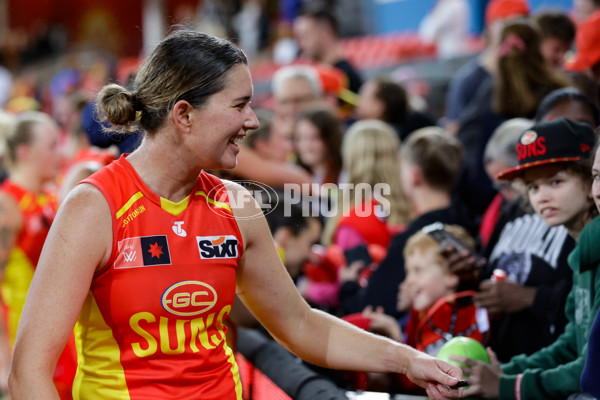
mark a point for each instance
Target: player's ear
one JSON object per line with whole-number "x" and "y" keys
{"x": 182, "y": 116}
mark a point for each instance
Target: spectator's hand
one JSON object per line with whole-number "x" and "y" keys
{"x": 484, "y": 379}
{"x": 383, "y": 324}
{"x": 350, "y": 272}
{"x": 463, "y": 264}
{"x": 504, "y": 296}
{"x": 435, "y": 375}
{"x": 405, "y": 296}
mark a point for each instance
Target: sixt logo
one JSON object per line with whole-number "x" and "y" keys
{"x": 189, "y": 298}
{"x": 217, "y": 246}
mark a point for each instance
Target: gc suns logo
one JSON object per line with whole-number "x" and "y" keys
{"x": 211, "y": 247}
{"x": 189, "y": 298}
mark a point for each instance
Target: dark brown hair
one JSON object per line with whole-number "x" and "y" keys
{"x": 556, "y": 24}
{"x": 186, "y": 65}
{"x": 394, "y": 98}
{"x": 524, "y": 77}
{"x": 330, "y": 132}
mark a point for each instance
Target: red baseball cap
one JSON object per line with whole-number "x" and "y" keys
{"x": 587, "y": 43}
{"x": 503, "y": 9}
{"x": 335, "y": 81}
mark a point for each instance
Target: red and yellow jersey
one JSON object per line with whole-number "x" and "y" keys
{"x": 152, "y": 326}
{"x": 38, "y": 212}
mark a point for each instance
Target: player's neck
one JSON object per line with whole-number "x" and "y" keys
{"x": 161, "y": 172}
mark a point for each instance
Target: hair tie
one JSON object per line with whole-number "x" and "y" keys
{"x": 512, "y": 41}
{"x": 136, "y": 102}
{"x": 138, "y": 106}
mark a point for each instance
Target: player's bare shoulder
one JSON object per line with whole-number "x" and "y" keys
{"x": 241, "y": 200}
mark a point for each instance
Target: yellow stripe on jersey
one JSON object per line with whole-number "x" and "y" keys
{"x": 174, "y": 208}
{"x": 100, "y": 374}
{"x": 15, "y": 284}
{"x": 129, "y": 203}
{"x": 219, "y": 204}
{"x": 234, "y": 370}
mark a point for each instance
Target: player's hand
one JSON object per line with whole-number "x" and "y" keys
{"x": 436, "y": 376}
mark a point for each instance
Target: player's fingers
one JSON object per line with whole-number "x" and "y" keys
{"x": 433, "y": 392}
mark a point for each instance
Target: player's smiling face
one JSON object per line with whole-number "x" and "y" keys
{"x": 223, "y": 121}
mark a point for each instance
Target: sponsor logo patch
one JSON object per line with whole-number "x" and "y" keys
{"x": 211, "y": 247}
{"x": 143, "y": 251}
{"x": 178, "y": 228}
{"x": 189, "y": 298}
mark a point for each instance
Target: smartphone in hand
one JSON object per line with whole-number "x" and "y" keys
{"x": 445, "y": 239}
{"x": 358, "y": 253}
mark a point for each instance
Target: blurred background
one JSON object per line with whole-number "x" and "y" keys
{"x": 50, "y": 47}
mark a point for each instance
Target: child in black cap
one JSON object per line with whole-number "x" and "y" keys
{"x": 555, "y": 164}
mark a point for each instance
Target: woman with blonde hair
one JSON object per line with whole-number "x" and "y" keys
{"x": 27, "y": 208}
{"x": 371, "y": 205}
{"x": 370, "y": 153}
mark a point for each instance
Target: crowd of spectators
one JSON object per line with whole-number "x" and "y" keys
{"x": 371, "y": 261}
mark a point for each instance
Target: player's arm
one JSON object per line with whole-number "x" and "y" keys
{"x": 79, "y": 241}
{"x": 268, "y": 291}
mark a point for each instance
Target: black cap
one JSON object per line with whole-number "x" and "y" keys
{"x": 554, "y": 141}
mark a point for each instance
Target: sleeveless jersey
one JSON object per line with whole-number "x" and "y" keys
{"x": 152, "y": 326}
{"x": 38, "y": 211}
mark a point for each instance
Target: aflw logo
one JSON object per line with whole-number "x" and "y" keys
{"x": 129, "y": 256}
{"x": 217, "y": 246}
